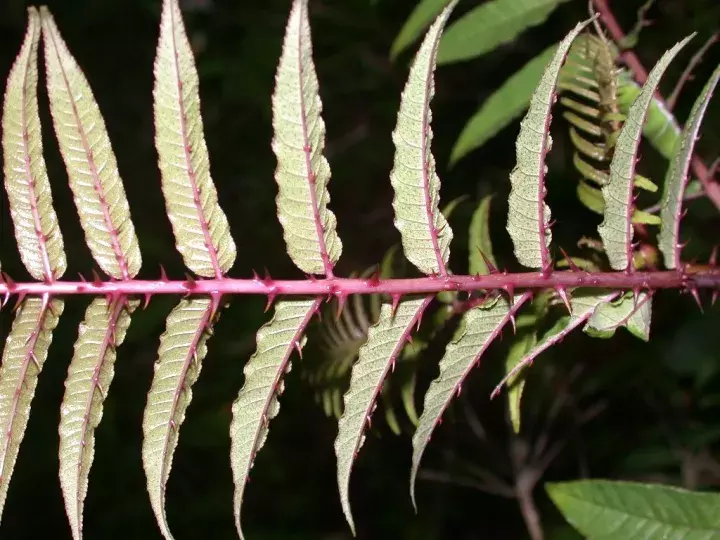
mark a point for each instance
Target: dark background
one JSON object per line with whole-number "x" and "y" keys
{"x": 293, "y": 491}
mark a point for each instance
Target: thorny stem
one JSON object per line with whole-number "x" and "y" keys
{"x": 712, "y": 189}
{"x": 688, "y": 278}
{"x": 687, "y": 74}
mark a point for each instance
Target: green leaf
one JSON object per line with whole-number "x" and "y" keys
{"x": 425, "y": 233}
{"x": 26, "y": 179}
{"x": 529, "y": 216}
{"x": 386, "y": 340}
{"x": 422, "y": 16}
{"x": 26, "y": 349}
{"x": 257, "y": 403}
{"x": 518, "y": 349}
{"x": 592, "y": 198}
{"x": 606, "y": 510}
{"x": 502, "y": 107}
{"x": 671, "y": 213}
{"x": 634, "y": 314}
{"x": 182, "y": 349}
{"x": 202, "y": 233}
{"x": 490, "y": 25}
{"x": 303, "y": 172}
{"x": 89, "y": 376}
{"x": 89, "y": 160}
{"x": 480, "y": 240}
{"x": 478, "y": 328}
{"x": 616, "y": 229}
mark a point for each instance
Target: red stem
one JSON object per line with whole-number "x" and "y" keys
{"x": 712, "y": 189}
{"x": 688, "y": 278}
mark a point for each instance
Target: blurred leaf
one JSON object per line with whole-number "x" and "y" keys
{"x": 419, "y": 20}
{"x": 490, "y": 25}
{"x": 480, "y": 241}
{"x": 606, "y": 510}
{"x": 506, "y": 104}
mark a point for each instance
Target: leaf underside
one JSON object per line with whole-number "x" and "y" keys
{"x": 425, "y": 232}
{"x": 26, "y": 180}
{"x": 257, "y": 402}
{"x": 303, "y": 172}
{"x": 385, "y": 342}
{"x": 26, "y": 350}
{"x": 88, "y": 381}
{"x": 616, "y": 229}
{"x": 633, "y": 313}
{"x": 182, "y": 349}
{"x": 478, "y": 328}
{"x": 618, "y": 510}
{"x": 89, "y": 159}
{"x": 202, "y": 233}
{"x": 528, "y": 215}
{"x": 676, "y": 179}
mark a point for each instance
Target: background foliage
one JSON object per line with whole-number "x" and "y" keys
{"x": 653, "y": 407}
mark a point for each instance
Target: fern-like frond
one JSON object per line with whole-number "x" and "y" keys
{"x": 478, "y": 328}
{"x": 386, "y": 340}
{"x": 202, "y": 233}
{"x": 26, "y": 350}
{"x": 182, "y": 349}
{"x": 89, "y": 159}
{"x": 89, "y": 376}
{"x": 425, "y": 232}
{"x": 633, "y": 312}
{"x": 616, "y": 229}
{"x": 529, "y": 216}
{"x": 303, "y": 172}
{"x": 677, "y": 175}
{"x": 26, "y": 181}
{"x": 257, "y": 402}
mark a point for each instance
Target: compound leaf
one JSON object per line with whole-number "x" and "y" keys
{"x": 616, "y": 229}
{"x": 633, "y": 313}
{"x": 386, "y": 340}
{"x": 257, "y": 402}
{"x": 89, "y": 376}
{"x": 182, "y": 349}
{"x": 303, "y": 172}
{"x": 36, "y": 227}
{"x": 529, "y": 216}
{"x": 424, "y": 230}
{"x": 89, "y": 159}
{"x": 26, "y": 350}
{"x": 677, "y": 176}
{"x": 202, "y": 233}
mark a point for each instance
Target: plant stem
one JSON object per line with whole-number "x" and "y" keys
{"x": 689, "y": 278}
{"x": 712, "y": 189}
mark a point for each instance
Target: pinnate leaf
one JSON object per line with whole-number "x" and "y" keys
{"x": 618, "y": 510}
{"x": 616, "y": 229}
{"x": 303, "y": 172}
{"x": 89, "y": 159}
{"x": 677, "y": 175}
{"x": 26, "y": 180}
{"x": 490, "y": 25}
{"x": 182, "y": 349}
{"x": 257, "y": 402}
{"x": 523, "y": 344}
{"x": 529, "y": 216}
{"x": 386, "y": 340}
{"x": 425, "y": 232}
{"x": 202, "y": 234}
{"x": 478, "y": 328}
{"x": 502, "y": 107}
{"x": 89, "y": 376}
{"x": 26, "y": 350}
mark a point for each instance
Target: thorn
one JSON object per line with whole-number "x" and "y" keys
{"x": 19, "y": 300}
{"x": 696, "y": 296}
{"x": 190, "y": 282}
{"x": 392, "y": 365}
{"x": 512, "y": 321}
{"x": 571, "y": 264}
{"x": 395, "y": 302}
{"x": 547, "y": 270}
{"x": 510, "y": 291}
{"x": 267, "y": 279}
{"x": 409, "y": 339}
{"x": 34, "y": 359}
{"x": 341, "y": 299}
{"x": 255, "y": 276}
{"x": 163, "y": 274}
{"x": 562, "y": 293}
{"x": 82, "y": 278}
{"x": 488, "y": 263}
{"x": 713, "y": 257}
{"x": 270, "y": 298}
{"x": 374, "y": 279}
{"x": 298, "y": 348}
{"x": 714, "y": 297}
{"x": 636, "y": 295}
{"x": 147, "y": 300}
